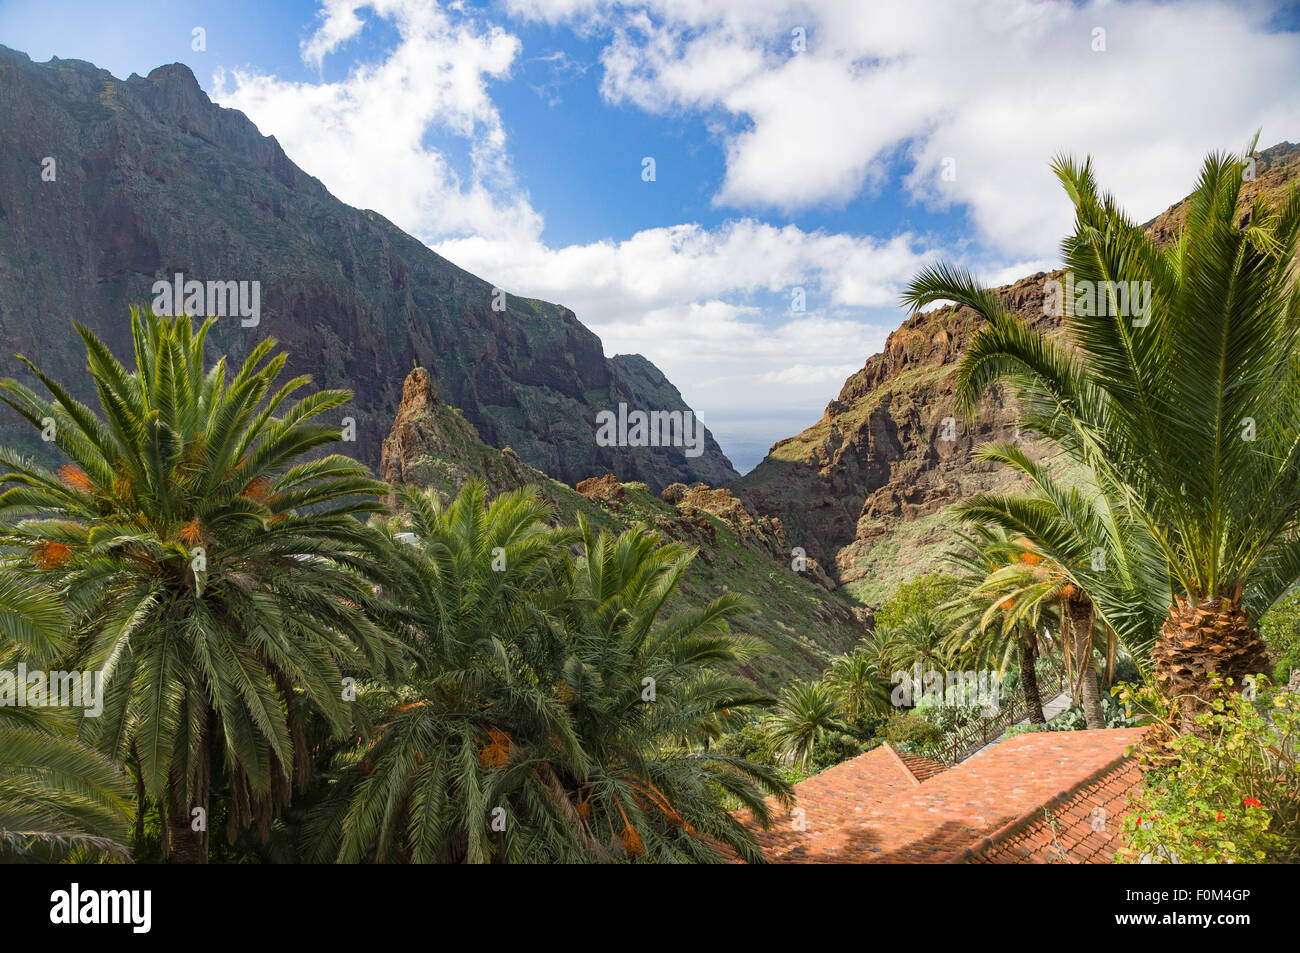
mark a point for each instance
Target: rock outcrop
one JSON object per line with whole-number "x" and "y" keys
{"x": 867, "y": 489}
{"x": 432, "y": 444}
{"x": 765, "y": 532}
{"x": 801, "y": 623}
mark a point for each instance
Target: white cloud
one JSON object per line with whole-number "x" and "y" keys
{"x": 884, "y": 93}
{"x": 998, "y": 86}
{"x": 659, "y": 266}
{"x": 713, "y": 307}
{"x": 366, "y": 136}
{"x": 811, "y": 375}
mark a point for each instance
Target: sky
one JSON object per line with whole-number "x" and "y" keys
{"x": 736, "y": 189}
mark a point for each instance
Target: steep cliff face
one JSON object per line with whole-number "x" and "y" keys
{"x": 107, "y": 186}
{"x": 794, "y": 615}
{"x": 867, "y": 489}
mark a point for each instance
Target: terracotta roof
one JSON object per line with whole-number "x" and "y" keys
{"x": 878, "y": 808}
{"x": 922, "y": 768}
{"x": 1082, "y": 829}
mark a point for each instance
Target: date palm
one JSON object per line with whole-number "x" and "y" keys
{"x": 857, "y": 683}
{"x": 210, "y": 566}
{"x": 1092, "y": 561}
{"x": 552, "y": 709}
{"x": 466, "y": 588}
{"x": 919, "y": 641}
{"x": 58, "y": 798}
{"x": 805, "y": 713}
{"x": 1000, "y": 609}
{"x": 650, "y": 768}
{"x": 1192, "y": 409}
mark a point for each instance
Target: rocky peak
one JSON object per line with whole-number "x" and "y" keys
{"x": 173, "y": 90}
{"x": 866, "y": 488}
{"x": 432, "y": 444}
{"x": 419, "y": 395}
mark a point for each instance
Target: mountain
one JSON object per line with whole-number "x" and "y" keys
{"x": 107, "y": 186}
{"x": 796, "y": 617}
{"x": 868, "y": 489}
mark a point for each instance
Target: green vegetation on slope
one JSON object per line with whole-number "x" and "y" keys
{"x": 801, "y": 624}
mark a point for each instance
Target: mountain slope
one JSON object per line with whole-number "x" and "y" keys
{"x": 867, "y": 489}
{"x": 800, "y": 621}
{"x": 149, "y": 178}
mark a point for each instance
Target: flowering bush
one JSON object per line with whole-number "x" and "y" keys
{"x": 1229, "y": 793}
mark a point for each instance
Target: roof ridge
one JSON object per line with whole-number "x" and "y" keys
{"x": 898, "y": 759}
{"x": 1017, "y": 824}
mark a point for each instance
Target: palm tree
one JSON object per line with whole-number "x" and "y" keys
{"x": 1191, "y": 409}
{"x": 920, "y": 639}
{"x": 648, "y": 761}
{"x": 805, "y": 713}
{"x": 1085, "y": 530}
{"x": 999, "y": 609}
{"x": 58, "y": 798}
{"x": 856, "y": 681}
{"x": 222, "y": 615}
{"x": 1091, "y": 559}
{"x": 552, "y": 709}
{"x": 415, "y": 786}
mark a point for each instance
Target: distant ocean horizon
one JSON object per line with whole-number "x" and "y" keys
{"x": 746, "y": 441}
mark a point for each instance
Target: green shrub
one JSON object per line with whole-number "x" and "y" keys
{"x": 917, "y": 595}
{"x": 833, "y": 748}
{"x": 748, "y": 742}
{"x": 1228, "y": 793}
{"x": 1280, "y": 627}
{"x": 912, "y": 732}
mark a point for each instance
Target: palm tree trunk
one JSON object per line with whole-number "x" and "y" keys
{"x": 140, "y": 804}
{"x": 1029, "y": 678}
{"x": 1079, "y": 609}
{"x": 183, "y": 844}
{"x": 1203, "y": 638}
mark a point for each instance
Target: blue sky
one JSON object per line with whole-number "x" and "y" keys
{"x": 824, "y": 145}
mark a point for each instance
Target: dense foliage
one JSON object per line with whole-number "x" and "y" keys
{"x": 1167, "y": 523}
{"x": 1228, "y": 793}
{"x": 463, "y": 682}
{"x": 1184, "y": 422}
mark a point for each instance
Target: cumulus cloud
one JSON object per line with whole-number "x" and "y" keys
{"x": 988, "y": 92}
{"x": 656, "y": 267}
{"x": 814, "y": 103}
{"x": 715, "y": 308}
{"x": 367, "y": 136}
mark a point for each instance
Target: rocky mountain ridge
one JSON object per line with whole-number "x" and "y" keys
{"x": 108, "y": 185}
{"x": 867, "y": 488}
